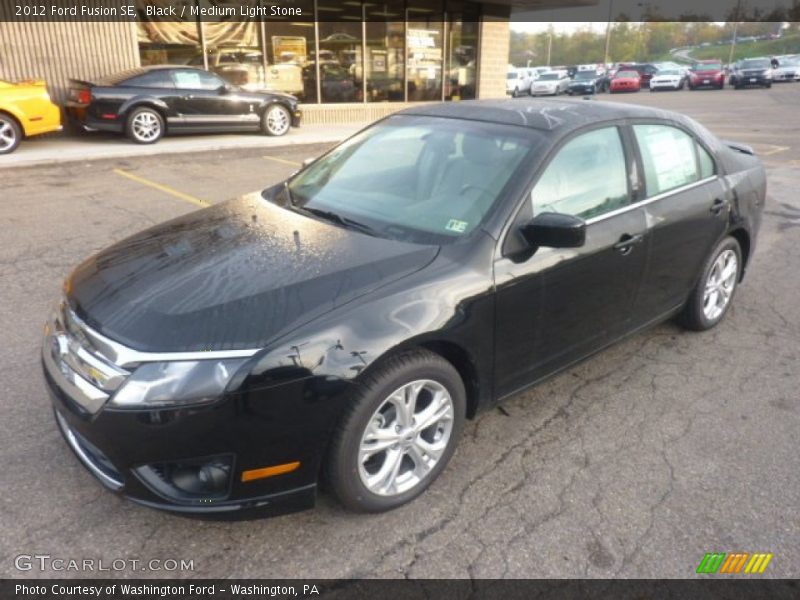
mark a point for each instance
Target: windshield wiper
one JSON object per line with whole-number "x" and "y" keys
{"x": 339, "y": 219}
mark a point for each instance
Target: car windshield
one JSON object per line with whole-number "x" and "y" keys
{"x": 708, "y": 67}
{"x": 513, "y": 75}
{"x": 624, "y": 74}
{"x": 549, "y": 77}
{"x": 414, "y": 178}
{"x": 668, "y": 72}
{"x": 757, "y": 63}
{"x": 585, "y": 75}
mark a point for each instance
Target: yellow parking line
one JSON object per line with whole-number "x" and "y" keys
{"x": 284, "y": 161}
{"x": 163, "y": 188}
{"x": 775, "y": 149}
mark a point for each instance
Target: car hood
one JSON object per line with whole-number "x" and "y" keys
{"x": 232, "y": 276}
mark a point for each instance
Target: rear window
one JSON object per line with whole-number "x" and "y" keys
{"x": 151, "y": 79}
{"x": 117, "y": 78}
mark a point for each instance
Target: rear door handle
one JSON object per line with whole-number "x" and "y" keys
{"x": 627, "y": 242}
{"x": 718, "y": 206}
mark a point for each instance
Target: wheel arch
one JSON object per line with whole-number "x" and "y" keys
{"x": 132, "y": 105}
{"x": 455, "y": 354}
{"x": 742, "y": 236}
{"x": 17, "y": 120}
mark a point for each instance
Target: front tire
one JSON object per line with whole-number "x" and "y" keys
{"x": 10, "y": 134}
{"x": 398, "y": 433}
{"x": 145, "y": 126}
{"x": 712, "y": 296}
{"x": 276, "y": 120}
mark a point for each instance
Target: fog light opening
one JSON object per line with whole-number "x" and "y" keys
{"x": 194, "y": 480}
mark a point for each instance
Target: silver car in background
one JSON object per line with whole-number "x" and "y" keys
{"x": 552, "y": 83}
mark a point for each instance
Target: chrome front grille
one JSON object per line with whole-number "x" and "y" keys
{"x": 76, "y": 364}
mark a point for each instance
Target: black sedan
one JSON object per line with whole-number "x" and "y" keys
{"x": 343, "y": 324}
{"x": 586, "y": 83}
{"x": 148, "y": 102}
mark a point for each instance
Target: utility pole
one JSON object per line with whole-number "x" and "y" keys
{"x": 608, "y": 34}
{"x": 549, "y": 47}
{"x": 735, "y": 31}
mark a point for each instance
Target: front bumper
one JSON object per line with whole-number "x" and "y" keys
{"x": 114, "y": 444}
{"x": 581, "y": 89}
{"x": 744, "y": 80}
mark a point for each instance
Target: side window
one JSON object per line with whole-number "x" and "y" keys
{"x": 707, "y": 168}
{"x": 668, "y": 155}
{"x": 157, "y": 78}
{"x": 195, "y": 79}
{"x": 587, "y": 178}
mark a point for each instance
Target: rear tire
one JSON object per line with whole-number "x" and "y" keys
{"x": 144, "y": 126}
{"x": 381, "y": 456}
{"x": 711, "y": 297}
{"x": 10, "y": 134}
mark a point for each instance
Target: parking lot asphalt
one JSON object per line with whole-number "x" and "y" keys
{"x": 634, "y": 463}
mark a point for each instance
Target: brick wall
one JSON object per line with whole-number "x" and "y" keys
{"x": 495, "y": 37}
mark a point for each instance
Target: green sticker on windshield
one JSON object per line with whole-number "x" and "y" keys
{"x": 456, "y": 225}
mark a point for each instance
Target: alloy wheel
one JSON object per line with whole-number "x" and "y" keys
{"x": 277, "y": 120}
{"x": 8, "y": 134}
{"x": 720, "y": 285}
{"x": 405, "y": 438}
{"x": 146, "y": 126}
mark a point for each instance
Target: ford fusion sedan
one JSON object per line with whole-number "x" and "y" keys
{"x": 343, "y": 324}
{"x": 25, "y": 111}
{"x": 149, "y": 102}
{"x": 667, "y": 79}
{"x": 752, "y": 72}
{"x": 707, "y": 74}
{"x": 625, "y": 81}
{"x": 550, "y": 84}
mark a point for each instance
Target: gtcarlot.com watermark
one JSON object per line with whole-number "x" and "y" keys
{"x": 46, "y": 562}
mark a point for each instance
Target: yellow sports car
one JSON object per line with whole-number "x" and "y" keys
{"x": 25, "y": 110}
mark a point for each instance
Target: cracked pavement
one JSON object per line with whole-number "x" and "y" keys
{"x": 634, "y": 463}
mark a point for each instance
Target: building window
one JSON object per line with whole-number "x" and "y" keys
{"x": 340, "y": 51}
{"x": 376, "y": 51}
{"x": 234, "y": 52}
{"x": 168, "y": 42}
{"x": 385, "y": 52}
{"x": 462, "y": 51}
{"x": 424, "y": 39}
{"x": 290, "y": 54}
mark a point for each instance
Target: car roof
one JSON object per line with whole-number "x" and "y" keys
{"x": 535, "y": 113}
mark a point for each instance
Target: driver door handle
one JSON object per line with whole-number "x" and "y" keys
{"x": 189, "y": 97}
{"x": 718, "y": 206}
{"x": 627, "y": 242}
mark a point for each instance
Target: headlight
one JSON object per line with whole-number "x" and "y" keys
{"x": 176, "y": 383}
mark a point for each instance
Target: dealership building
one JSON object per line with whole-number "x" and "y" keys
{"x": 347, "y": 60}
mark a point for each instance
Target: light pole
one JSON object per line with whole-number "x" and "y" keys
{"x": 735, "y": 31}
{"x": 549, "y": 47}
{"x": 608, "y": 34}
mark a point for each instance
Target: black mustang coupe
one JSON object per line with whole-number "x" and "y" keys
{"x": 344, "y": 323}
{"x": 148, "y": 102}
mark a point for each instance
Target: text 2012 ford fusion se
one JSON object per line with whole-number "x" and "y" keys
{"x": 341, "y": 326}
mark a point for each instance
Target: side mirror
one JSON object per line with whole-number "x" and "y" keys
{"x": 226, "y": 88}
{"x": 554, "y": 230}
